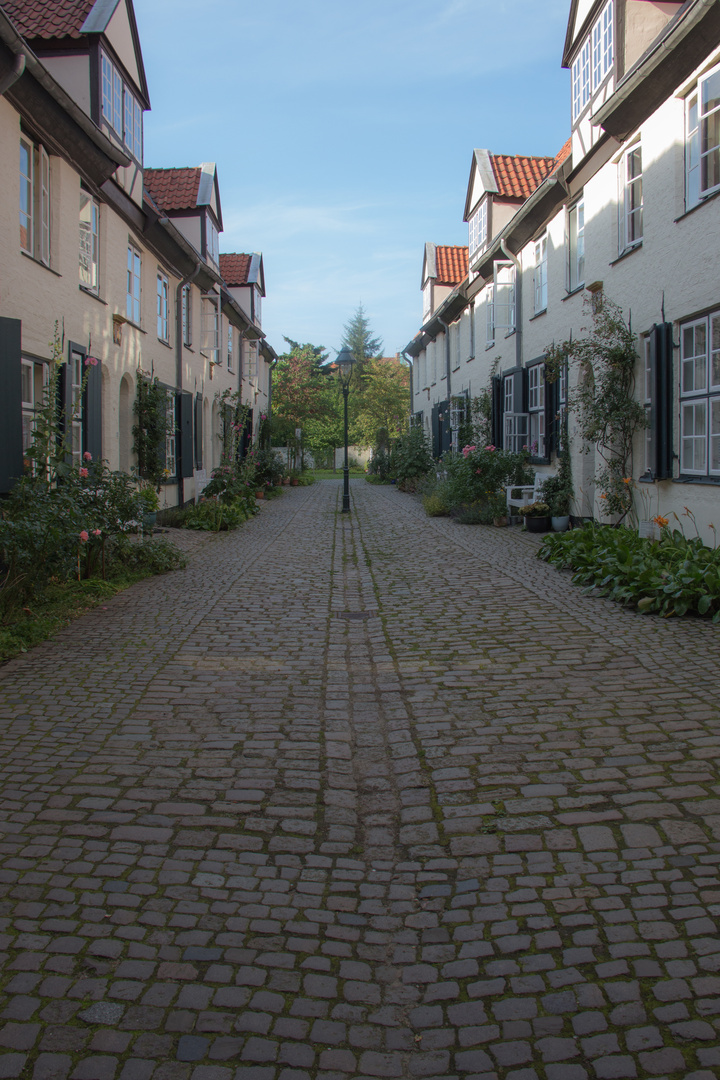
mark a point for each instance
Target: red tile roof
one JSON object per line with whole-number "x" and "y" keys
{"x": 173, "y": 189}
{"x": 48, "y": 18}
{"x": 234, "y": 269}
{"x": 562, "y": 155}
{"x": 518, "y": 176}
{"x": 451, "y": 264}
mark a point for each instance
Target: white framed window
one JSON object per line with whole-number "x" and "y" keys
{"x": 702, "y": 139}
{"x": 700, "y": 396}
{"x": 581, "y": 80}
{"x": 120, "y": 108}
{"x": 471, "y": 317}
{"x": 187, "y": 315}
{"x": 427, "y": 300}
{"x": 230, "y": 351}
{"x": 540, "y": 279}
{"x": 89, "y": 243}
{"x": 34, "y": 382}
{"x": 257, "y": 310}
{"x": 210, "y": 328}
{"x": 576, "y": 246}
{"x": 504, "y": 296}
{"x": 593, "y": 62}
{"x": 35, "y": 201}
{"x": 170, "y": 436}
{"x": 132, "y": 299}
{"x": 631, "y": 198}
{"x": 478, "y": 229}
{"x": 536, "y": 410}
{"x": 489, "y": 315}
{"x": 212, "y": 241}
{"x": 163, "y": 327}
{"x": 454, "y": 331}
{"x": 515, "y": 434}
{"x": 508, "y": 397}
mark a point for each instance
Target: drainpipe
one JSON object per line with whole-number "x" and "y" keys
{"x": 518, "y": 302}
{"x": 179, "y": 342}
{"x": 410, "y": 365}
{"x": 14, "y": 75}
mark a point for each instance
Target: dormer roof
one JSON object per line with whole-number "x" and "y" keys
{"x": 50, "y": 19}
{"x": 173, "y": 189}
{"x": 451, "y": 263}
{"x": 182, "y": 189}
{"x": 511, "y": 177}
{"x": 239, "y": 270}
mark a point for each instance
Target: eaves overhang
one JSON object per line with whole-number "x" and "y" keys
{"x": 687, "y": 39}
{"x": 63, "y": 125}
{"x": 534, "y": 212}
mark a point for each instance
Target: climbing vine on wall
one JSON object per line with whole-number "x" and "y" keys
{"x": 151, "y": 428}
{"x": 603, "y": 402}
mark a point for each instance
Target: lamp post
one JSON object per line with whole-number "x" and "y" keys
{"x": 344, "y": 362}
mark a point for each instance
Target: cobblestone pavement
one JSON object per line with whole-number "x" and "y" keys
{"x": 361, "y": 796}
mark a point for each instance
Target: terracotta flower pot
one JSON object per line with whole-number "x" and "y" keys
{"x": 259, "y": 494}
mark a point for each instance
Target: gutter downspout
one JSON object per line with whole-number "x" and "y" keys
{"x": 518, "y": 301}
{"x": 273, "y": 365}
{"x": 410, "y": 365}
{"x": 179, "y": 342}
{"x": 14, "y": 75}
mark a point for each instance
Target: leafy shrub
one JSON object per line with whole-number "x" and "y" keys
{"x": 673, "y": 577}
{"x": 435, "y": 504}
{"x": 214, "y": 516}
{"x": 411, "y": 458}
{"x": 158, "y": 556}
{"x": 477, "y": 513}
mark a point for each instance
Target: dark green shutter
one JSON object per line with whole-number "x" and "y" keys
{"x": 663, "y": 403}
{"x": 198, "y": 431}
{"x": 92, "y": 412}
{"x": 11, "y": 448}
{"x": 552, "y": 419}
{"x": 496, "y": 411}
{"x": 186, "y": 433}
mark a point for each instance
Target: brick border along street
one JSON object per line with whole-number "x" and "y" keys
{"x": 367, "y": 795}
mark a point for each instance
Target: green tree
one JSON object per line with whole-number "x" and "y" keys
{"x": 305, "y": 396}
{"x": 358, "y": 338}
{"x": 383, "y": 403}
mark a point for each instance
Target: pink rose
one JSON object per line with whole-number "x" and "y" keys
{"x": 84, "y": 473}
{"x": 87, "y": 456}
{"x": 91, "y": 361}
{"x": 490, "y": 447}
{"x": 84, "y": 536}
{"x": 97, "y": 532}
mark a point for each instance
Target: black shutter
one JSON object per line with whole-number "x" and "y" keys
{"x": 92, "y": 412}
{"x": 198, "y": 430}
{"x": 496, "y": 411}
{"x": 11, "y": 442}
{"x": 445, "y": 427}
{"x": 552, "y": 419}
{"x": 663, "y": 400}
{"x": 435, "y": 429}
{"x": 185, "y": 403}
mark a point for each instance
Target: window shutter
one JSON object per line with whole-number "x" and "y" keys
{"x": 11, "y": 448}
{"x": 186, "y": 433}
{"x": 662, "y": 410}
{"x": 490, "y": 316}
{"x": 552, "y": 420}
{"x": 496, "y": 414}
{"x": 198, "y": 431}
{"x": 92, "y": 412}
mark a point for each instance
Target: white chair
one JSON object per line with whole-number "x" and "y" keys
{"x": 529, "y": 493}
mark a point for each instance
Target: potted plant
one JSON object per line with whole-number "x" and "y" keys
{"x": 149, "y": 504}
{"x": 557, "y": 493}
{"x": 537, "y": 516}
{"x": 498, "y": 508}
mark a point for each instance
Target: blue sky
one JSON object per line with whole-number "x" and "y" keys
{"x": 343, "y": 134}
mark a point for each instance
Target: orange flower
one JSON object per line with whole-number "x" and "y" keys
{"x": 661, "y": 522}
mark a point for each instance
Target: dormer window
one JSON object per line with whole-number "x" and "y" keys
{"x": 258, "y": 307}
{"x": 212, "y": 242}
{"x": 120, "y": 108}
{"x": 594, "y": 58}
{"x": 478, "y": 229}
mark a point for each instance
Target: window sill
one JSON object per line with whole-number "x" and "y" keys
{"x": 162, "y": 341}
{"x": 470, "y": 359}
{"x": 94, "y": 295}
{"x": 628, "y": 251}
{"x": 685, "y": 478}
{"x": 538, "y": 315}
{"x": 573, "y": 292}
{"x": 707, "y": 199}
{"x": 490, "y": 345}
{"x": 39, "y": 262}
{"x": 134, "y": 325}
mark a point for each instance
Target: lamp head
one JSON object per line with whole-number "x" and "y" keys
{"x": 345, "y": 361}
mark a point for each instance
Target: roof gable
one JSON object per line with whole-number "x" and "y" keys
{"x": 517, "y": 176}
{"x": 120, "y": 30}
{"x": 238, "y": 270}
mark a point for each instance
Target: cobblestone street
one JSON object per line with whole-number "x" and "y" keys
{"x": 368, "y": 795}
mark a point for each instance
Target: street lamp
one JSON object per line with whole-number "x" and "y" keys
{"x": 344, "y": 363}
